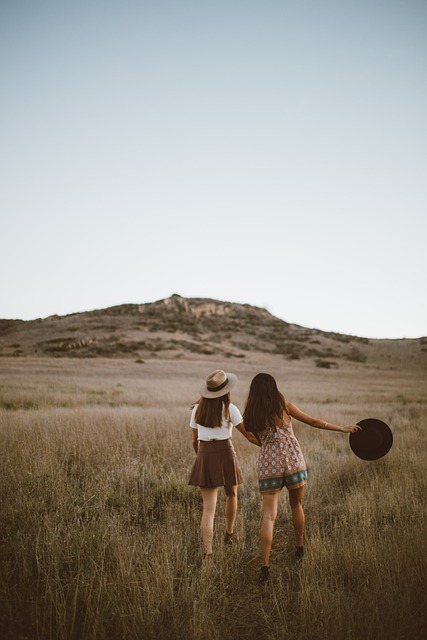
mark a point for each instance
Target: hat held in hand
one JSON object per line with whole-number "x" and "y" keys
{"x": 373, "y": 440}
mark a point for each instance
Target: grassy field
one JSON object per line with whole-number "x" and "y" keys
{"x": 99, "y": 531}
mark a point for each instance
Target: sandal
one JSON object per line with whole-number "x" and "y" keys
{"x": 299, "y": 552}
{"x": 264, "y": 575}
{"x": 231, "y": 538}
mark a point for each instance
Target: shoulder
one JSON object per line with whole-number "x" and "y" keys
{"x": 234, "y": 408}
{"x": 192, "y": 417}
{"x": 235, "y": 414}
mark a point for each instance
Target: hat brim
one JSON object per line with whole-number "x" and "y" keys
{"x": 372, "y": 441}
{"x": 232, "y": 380}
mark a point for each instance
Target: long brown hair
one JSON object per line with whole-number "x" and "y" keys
{"x": 210, "y": 411}
{"x": 265, "y": 404}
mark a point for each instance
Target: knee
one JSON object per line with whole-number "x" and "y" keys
{"x": 296, "y": 505}
{"x": 269, "y": 517}
{"x": 295, "y": 499}
{"x": 230, "y": 492}
{"x": 208, "y": 512}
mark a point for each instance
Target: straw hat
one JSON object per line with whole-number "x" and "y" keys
{"x": 217, "y": 384}
{"x": 373, "y": 440}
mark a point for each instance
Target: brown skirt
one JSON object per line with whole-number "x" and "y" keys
{"x": 216, "y": 465}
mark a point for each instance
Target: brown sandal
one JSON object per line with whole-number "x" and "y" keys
{"x": 231, "y": 538}
{"x": 264, "y": 574}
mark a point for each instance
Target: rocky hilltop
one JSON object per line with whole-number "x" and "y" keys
{"x": 190, "y": 327}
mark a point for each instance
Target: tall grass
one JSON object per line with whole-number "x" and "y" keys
{"x": 99, "y": 531}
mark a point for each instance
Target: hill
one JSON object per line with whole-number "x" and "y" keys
{"x": 177, "y": 327}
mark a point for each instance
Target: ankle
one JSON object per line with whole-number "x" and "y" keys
{"x": 231, "y": 538}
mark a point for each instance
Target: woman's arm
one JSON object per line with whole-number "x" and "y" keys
{"x": 315, "y": 422}
{"x": 248, "y": 435}
{"x": 194, "y": 440}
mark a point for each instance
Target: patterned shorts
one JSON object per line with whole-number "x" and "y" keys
{"x": 297, "y": 479}
{"x": 281, "y": 462}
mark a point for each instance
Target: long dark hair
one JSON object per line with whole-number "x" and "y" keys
{"x": 210, "y": 411}
{"x": 265, "y": 404}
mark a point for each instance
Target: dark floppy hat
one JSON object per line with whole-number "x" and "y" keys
{"x": 373, "y": 440}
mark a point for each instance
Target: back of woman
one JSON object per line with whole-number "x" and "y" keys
{"x": 212, "y": 420}
{"x": 281, "y": 461}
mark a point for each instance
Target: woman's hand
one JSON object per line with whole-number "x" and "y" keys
{"x": 352, "y": 429}
{"x": 195, "y": 441}
{"x": 248, "y": 435}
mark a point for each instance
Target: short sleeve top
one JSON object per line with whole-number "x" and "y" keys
{"x": 217, "y": 433}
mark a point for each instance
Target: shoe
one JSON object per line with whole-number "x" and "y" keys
{"x": 231, "y": 538}
{"x": 299, "y": 552}
{"x": 264, "y": 574}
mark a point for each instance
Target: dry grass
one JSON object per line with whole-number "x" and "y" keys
{"x": 99, "y": 529}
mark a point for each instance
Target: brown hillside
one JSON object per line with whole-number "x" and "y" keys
{"x": 195, "y": 327}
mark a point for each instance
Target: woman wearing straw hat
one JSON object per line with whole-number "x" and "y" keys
{"x": 281, "y": 462}
{"x": 216, "y": 465}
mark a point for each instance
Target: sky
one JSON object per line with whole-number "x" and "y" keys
{"x": 269, "y": 152}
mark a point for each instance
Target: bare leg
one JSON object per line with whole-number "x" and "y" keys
{"x": 270, "y": 503}
{"x": 230, "y": 507}
{"x": 298, "y": 518}
{"x": 209, "y": 496}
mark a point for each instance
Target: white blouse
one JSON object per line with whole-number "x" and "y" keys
{"x": 217, "y": 433}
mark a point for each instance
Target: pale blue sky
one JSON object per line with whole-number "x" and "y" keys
{"x": 261, "y": 151}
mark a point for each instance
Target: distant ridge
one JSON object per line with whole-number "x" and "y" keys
{"x": 177, "y": 327}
